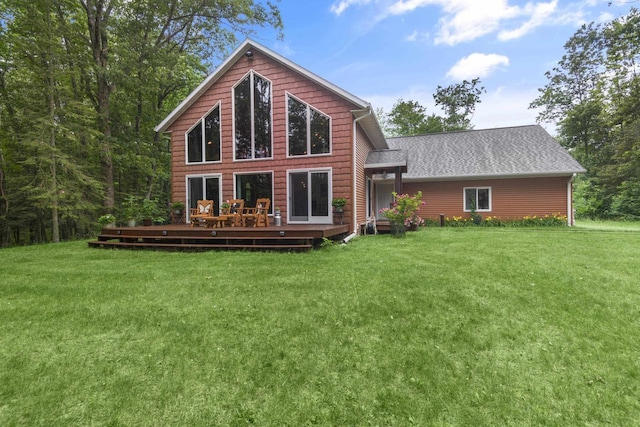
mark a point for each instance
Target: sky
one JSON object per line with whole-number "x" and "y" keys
{"x": 385, "y": 50}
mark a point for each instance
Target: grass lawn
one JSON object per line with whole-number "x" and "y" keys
{"x": 445, "y": 327}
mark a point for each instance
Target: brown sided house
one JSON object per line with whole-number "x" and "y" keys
{"x": 262, "y": 126}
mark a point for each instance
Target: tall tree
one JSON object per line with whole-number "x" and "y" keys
{"x": 572, "y": 97}
{"x": 593, "y": 96}
{"x": 149, "y": 29}
{"x": 459, "y": 103}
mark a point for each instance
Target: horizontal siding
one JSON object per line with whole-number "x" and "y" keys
{"x": 510, "y": 198}
{"x": 283, "y": 80}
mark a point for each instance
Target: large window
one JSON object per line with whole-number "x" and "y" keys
{"x": 477, "y": 198}
{"x": 251, "y": 187}
{"x": 252, "y": 117}
{"x": 204, "y": 187}
{"x": 203, "y": 140}
{"x": 309, "y": 130}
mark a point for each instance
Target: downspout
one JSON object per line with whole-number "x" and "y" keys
{"x": 570, "y": 218}
{"x": 354, "y": 166}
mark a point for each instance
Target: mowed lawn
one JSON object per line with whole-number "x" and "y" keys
{"x": 472, "y": 326}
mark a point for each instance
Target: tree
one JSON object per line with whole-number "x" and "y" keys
{"x": 409, "y": 118}
{"x": 593, "y": 95}
{"x": 459, "y": 103}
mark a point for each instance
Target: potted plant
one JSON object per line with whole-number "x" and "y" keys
{"x": 148, "y": 210}
{"x": 402, "y": 212}
{"x": 177, "y": 207}
{"x": 107, "y": 220}
{"x": 339, "y": 203}
{"x": 224, "y": 207}
{"x": 130, "y": 210}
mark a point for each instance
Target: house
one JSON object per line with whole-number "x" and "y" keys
{"x": 262, "y": 126}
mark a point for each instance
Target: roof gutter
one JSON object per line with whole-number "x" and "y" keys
{"x": 354, "y": 168}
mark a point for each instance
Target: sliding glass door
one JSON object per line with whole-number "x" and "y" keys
{"x": 203, "y": 187}
{"x": 310, "y": 196}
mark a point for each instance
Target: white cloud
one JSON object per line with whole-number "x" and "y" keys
{"x": 467, "y": 20}
{"x": 340, "y": 6}
{"x": 477, "y": 65}
{"x": 539, "y": 14}
{"x": 417, "y": 36}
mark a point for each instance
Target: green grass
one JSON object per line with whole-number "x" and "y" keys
{"x": 608, "y": 225}
{"x": 445, "y": 327}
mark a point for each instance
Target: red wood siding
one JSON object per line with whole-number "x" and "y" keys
{"x": 283, "y": 80}
{"x": 510, "y": 198}
{"x": 363, "y": 147}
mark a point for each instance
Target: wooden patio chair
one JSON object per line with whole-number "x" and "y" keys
{"x": 258, "y": 215}
{"x": 236, "y": 211}
{"x": 203, "y": 209}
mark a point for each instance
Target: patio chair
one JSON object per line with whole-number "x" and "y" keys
{"x": 258, "y": 215}
{"x": 203, "y": 209}
{"x": 236, "y": 210}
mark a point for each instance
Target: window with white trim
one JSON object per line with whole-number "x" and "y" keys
{"x": 309, "y": 130}
{"x": 477, "y": 198}
{"x": 203, "y": 139}
{"x": 252, "y": 186}
{"x": 252, "y": 117}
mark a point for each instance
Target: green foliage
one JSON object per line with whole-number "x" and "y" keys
{"x": 130, "y": 208}
{"x": 107, "y": 219}
{"x": 626, "y": 203}
{"x": 178, "y": 206}
{"x": 459, "y": 103}
{"x": 593, "y": 94}
{"x": 339, "y": 202}
{"x": 555, "y": 220}
{"x": 409, "y": 118}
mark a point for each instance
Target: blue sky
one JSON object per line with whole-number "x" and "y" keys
{"x": 383, "y": 50}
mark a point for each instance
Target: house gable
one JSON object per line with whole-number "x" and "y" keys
{"x": 248, "y": 50}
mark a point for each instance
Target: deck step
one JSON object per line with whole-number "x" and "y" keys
{"x": 164, "y": 245}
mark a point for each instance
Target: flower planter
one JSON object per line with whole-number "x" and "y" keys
{"x": 397, "y": 230}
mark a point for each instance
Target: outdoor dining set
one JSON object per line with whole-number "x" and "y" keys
{"x": 232, "y": 213}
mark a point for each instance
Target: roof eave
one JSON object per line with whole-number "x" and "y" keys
{"x": 493, "y": 176}
{"x": 371, "y": 127}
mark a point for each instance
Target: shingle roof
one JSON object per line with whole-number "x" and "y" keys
{"x": 513, "y": 151}
{"x": 386, "y": 159}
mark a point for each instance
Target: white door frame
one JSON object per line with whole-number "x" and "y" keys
{"x": 311, "y": 219}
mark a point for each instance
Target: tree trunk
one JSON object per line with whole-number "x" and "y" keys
{"x": 98, "y": 12}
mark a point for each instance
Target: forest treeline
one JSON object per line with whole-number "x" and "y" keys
{"x": 83, "y": 83}
{"x": 593, "y": 95}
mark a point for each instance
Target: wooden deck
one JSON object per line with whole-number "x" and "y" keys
{"x": 184, "y": 237}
